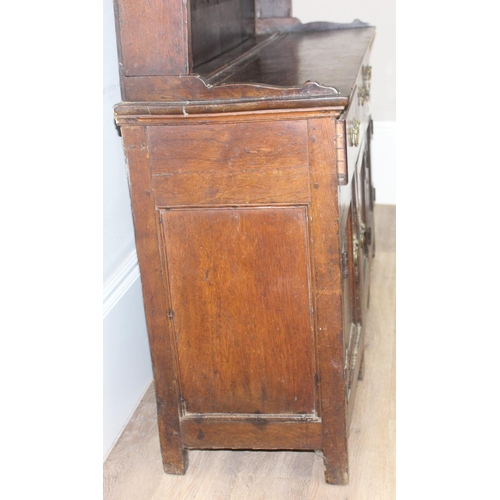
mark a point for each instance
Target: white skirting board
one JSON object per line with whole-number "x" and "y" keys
{"x": 127, "y": 371}
{"x": 384, "y": 162}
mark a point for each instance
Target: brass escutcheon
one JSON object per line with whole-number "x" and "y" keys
{"x": 363, "y": 94}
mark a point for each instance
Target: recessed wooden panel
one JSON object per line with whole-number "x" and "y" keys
{"x": 241, "y": 309}
{"x": 219, "y": 25}
{"x": 228, "y": 147}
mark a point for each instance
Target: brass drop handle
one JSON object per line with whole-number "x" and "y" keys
{"x": 364, "y": 91}
{"x": 363, "y": 94}
{"x": 355, "y": 250}
{"x": 355, "y": 133}
{"x": 362, "y": 232}
{"x": 367, "y": 73}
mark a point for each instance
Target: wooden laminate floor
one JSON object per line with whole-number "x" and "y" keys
{"x": 133, "y": 469}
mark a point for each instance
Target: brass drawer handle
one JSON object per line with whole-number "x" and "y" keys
{"x": 355, "y": 250}
{"x": 367, "y": 73}
{"x": 362, "y": 231}
{"x": 354, "y": 133}
{"x": 363, "y": 94}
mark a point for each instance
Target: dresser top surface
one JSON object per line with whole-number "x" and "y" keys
{"x": 330, "y": 58}
{"x": 305, "y": 69}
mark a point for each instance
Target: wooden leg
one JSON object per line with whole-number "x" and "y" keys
{"x": 336, "y": 468}
{"x": 175, "y": 463}
{"x": 174, "y": 455}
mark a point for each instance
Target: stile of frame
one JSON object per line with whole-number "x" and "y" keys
{"x": 156, "y": 300}
{"x": 153, "y": 37}
{"x": 328, "y": 297}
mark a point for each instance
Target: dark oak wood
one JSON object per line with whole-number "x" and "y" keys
{"x": 228, "y": 147}
{"x": 328, "y": 299}
{"x": 133, "y": 113}
{"x": 241, "y": 309}
{"x": 292, "y": 59}
{"x": 156, "y": 301}
{"x": 284, "y": 185}
{"x": 234, "y": 163}
{"x": 257, "y": 434}
{"x": 153, "y": 37}
{"x": 247, "y": 137}
{"x": 290, "y": 65}
{"x": 194, "y": 88}
{"x": 217, "y": 27}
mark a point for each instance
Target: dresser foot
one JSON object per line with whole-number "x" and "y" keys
{"x": 336, "y": 471}
{"x": 176, "y": 463}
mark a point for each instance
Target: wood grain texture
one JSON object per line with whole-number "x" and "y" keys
{"x": 259, "y": 317}
{"x": 258, "y": 187}
{"x": 218, "y": 26}
{"x": 251, "y": 434}
{"x": 153, "y": 37}
{"x": 231, "y": 163}
{"x": 178, "y": 114}
{"x": 193, "y": 88}
{"x": 133, "y": 469}
{"x": 155, "y": 299}
{"x": 241, "y": 309}
{"x": 290, "y": 67}
{"x": 228, "y": 147}
{"x": 295, "y": 58}
{"x": 328, "y": 297}
{"x": 241, "y": 238}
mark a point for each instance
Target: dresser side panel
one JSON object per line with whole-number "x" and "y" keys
{"x": 241, "y": 309}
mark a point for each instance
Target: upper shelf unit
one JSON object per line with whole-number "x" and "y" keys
{"x": 234, "y": 53}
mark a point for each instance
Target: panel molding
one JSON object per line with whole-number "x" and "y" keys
{"x": 119, "y": 283}
{"x": 197, "y": 316}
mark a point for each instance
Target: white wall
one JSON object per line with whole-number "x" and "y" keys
{"x": 118, "y": 227}
{"x": 126, "y": 361}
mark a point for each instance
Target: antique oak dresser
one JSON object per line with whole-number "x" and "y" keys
{"x": 247, "y": 140}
